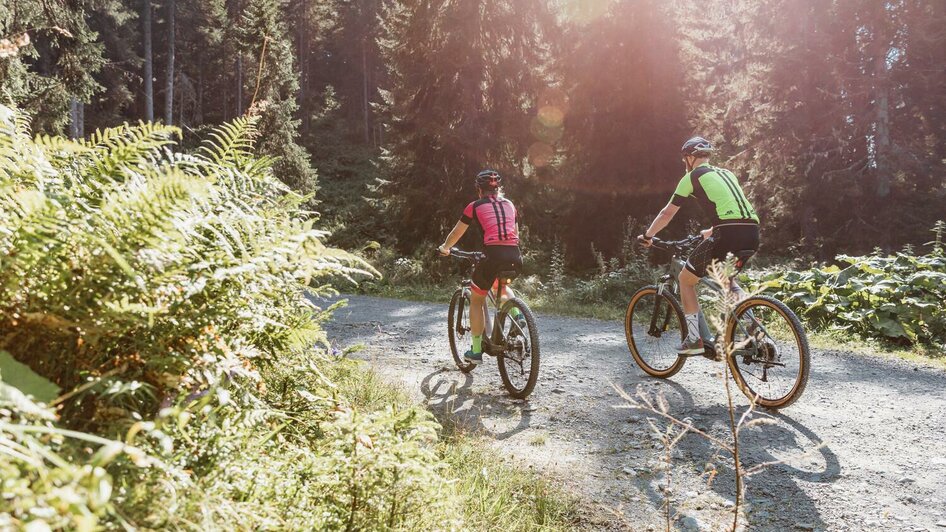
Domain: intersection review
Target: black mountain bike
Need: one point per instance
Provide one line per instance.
(515, 344)
(768, 348)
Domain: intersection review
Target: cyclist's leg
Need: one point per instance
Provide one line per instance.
(482, 277)
(689, 277)
(477, 313)
(507, 258)
(734, 239)
(693, 271)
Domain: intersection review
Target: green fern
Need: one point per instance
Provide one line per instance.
(165, 292)
(232, 144)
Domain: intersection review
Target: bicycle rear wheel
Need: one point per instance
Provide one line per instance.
(458, 328)
(770, 358)
(519, 361)
(653, 326)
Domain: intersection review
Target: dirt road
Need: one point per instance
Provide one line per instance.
(880, 425)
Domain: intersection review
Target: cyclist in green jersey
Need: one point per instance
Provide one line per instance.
(735, 227)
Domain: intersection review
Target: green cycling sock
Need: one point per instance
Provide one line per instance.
(477, 343)
(515, 312)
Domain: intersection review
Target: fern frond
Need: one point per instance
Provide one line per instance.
(113, 150)
(231, 143)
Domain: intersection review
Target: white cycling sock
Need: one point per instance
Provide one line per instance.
(693, 327)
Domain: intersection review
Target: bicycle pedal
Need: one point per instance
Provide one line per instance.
(712, 355)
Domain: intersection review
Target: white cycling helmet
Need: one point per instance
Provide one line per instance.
(697, 146)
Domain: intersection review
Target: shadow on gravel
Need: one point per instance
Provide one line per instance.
(775, 501)
(448, 394)
(882, 373)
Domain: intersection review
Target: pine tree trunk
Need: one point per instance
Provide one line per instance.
(199, 104)
(304, 100)
(808, 227)
(180, 108)
(239, 69)
(169, 88)
(881, 101)
(73, 118)
(882, 124)
(364, 69)
(80, 128)
(148, 75)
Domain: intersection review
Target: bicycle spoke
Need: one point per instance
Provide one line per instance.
(517, 353)
(767, 353)
(655, 331)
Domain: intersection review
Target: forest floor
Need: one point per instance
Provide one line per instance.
(863, 449)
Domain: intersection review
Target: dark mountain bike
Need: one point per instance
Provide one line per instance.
(515, 345)
(769, 356)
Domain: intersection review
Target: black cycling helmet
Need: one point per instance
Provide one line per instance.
(488, 179)
(697, 146)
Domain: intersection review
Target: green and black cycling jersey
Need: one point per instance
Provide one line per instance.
(718, 193)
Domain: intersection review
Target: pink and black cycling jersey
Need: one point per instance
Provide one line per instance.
(496, 217)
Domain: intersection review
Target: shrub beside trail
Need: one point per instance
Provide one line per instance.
(897, 298)
(164, 293)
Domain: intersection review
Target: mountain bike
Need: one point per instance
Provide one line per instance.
(514, 343)
(764, 342)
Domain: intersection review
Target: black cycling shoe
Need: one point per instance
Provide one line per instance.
(473, 358)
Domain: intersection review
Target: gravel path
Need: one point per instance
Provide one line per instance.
(880, 425)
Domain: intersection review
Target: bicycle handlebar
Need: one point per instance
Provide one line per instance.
(678, 246)
(473, 256)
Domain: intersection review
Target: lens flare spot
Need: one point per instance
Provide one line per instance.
(544, 133)
(551, 116)
(585, 11)
(554, 97)
(540, 154)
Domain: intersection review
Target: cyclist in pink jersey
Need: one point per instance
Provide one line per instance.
(497, 218)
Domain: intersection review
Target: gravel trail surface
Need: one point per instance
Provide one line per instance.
(863, 449)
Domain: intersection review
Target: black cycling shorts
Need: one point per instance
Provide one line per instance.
(726, 239)
(498, 259)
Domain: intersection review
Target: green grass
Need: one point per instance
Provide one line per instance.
(493, 495)
(500, 496)
(836, 340)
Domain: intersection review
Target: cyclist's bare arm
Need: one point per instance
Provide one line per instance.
(660, 222)
(455, 235)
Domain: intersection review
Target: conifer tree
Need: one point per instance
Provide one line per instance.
(273, 86)
(463, 80)
(624, 121)
(52, 59)
(806, 98)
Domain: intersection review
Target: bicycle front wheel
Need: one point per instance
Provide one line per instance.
(519, 361)
(458, 328)
(769, 355)
(654, 325)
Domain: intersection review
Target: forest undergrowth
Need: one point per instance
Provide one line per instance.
(179, 378)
